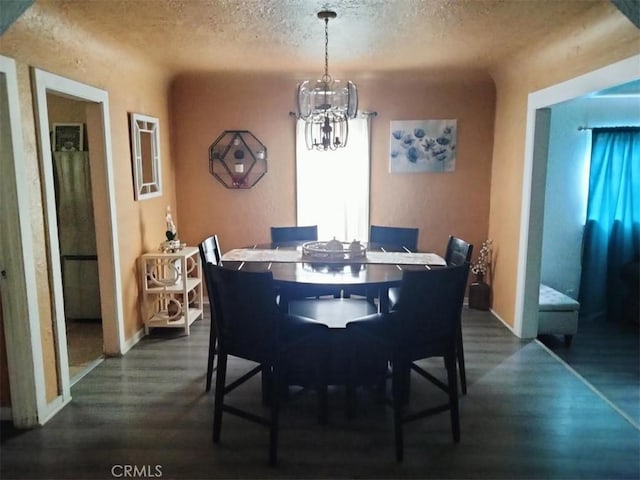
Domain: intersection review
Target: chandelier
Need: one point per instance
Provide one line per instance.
(326, 105)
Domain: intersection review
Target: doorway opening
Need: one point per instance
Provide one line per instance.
(552, 223)
(71, 157)
(605, 352)
(94, 103)
(533, 187)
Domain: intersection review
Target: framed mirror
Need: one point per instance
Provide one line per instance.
(145, 150)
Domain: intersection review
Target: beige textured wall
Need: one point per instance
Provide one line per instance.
(53, 44)
(65, 110)
(601, 38)
(202, 106)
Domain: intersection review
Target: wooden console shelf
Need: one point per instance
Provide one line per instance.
(171, 289)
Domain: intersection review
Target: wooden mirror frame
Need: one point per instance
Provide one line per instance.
(145, 151)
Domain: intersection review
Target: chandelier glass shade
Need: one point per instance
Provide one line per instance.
(326, 105)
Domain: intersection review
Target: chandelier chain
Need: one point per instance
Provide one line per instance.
(326, 49)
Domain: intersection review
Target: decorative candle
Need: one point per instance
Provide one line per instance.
(171, 227)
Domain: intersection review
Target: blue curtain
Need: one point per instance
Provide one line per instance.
(612, 232)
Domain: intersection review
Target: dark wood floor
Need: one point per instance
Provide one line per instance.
(607, 355)
(526, 417)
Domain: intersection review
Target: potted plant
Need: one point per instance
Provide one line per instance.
(479, 290)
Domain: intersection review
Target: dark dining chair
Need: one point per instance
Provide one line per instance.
(307, 233)
(210, 253)
(402, 238)
(250, 326)
(459, 252)
(424, 326)
(294, 234)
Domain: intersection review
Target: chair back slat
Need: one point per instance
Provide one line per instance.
(402, 236)
(246, 312)
(210, 250)
(209, 253)
(294, 234)
(458, 251)
(429, 307)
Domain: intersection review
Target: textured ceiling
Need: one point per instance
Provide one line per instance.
(286, 35)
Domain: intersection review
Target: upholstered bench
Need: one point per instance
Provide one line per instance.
(558, 314)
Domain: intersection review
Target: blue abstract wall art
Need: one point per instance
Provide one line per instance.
(417, 146)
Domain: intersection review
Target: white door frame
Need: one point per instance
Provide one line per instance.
(110, 282)
(532, 212)
(19, 297)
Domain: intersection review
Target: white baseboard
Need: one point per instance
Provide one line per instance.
(90, 366)
(131, 342)
(493, 312)
(52, 408)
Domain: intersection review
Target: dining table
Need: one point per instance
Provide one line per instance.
(377, 270)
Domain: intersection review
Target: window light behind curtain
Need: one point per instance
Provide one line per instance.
(333, 187)
(612, 232)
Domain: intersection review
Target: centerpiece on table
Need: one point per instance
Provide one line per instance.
(479, 290)
(334, 250)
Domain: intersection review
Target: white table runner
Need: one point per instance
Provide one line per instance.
(293, 256)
